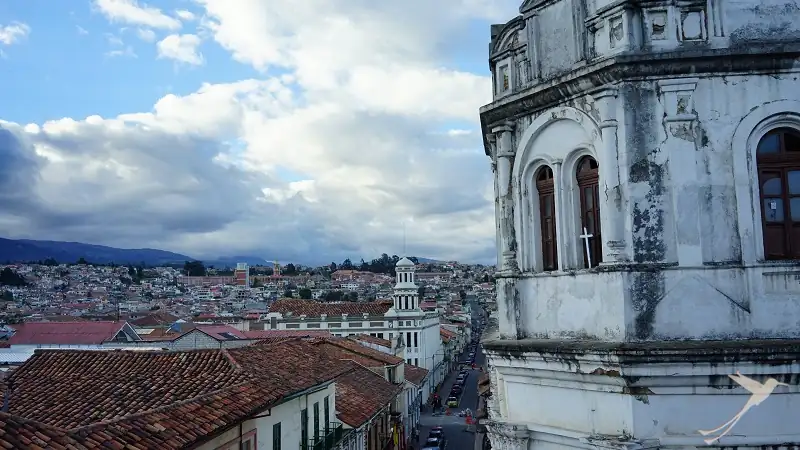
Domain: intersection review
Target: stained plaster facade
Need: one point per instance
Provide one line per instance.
(671, 99)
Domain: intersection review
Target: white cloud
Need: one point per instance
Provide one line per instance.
(13, 32)
(182, 48)
(367, 124)
(131, 12)
(146, 34)
(82, 31)
(126, 51)
(185, 15)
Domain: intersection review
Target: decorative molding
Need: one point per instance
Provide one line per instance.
(506, 436)
(678, 99)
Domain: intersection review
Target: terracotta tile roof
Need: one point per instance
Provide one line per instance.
(415, 374)
(371, 339)
(360, 394)
(67, 333)
(311, 308)
(159, 400)
(272, 334)
(19, 433)
(221, 332)
(344, 348)
(93, 386)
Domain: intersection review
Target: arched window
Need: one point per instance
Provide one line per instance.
(778, 160)
(588, 183)
(547, 217)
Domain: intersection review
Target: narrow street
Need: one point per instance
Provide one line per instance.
(455, 428)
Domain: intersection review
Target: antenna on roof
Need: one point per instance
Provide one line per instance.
(404, 238)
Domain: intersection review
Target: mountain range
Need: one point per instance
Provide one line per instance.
(27, 250)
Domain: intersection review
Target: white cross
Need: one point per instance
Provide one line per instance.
(585, 236)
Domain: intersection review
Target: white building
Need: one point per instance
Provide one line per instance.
(417, 330)
(646, 157)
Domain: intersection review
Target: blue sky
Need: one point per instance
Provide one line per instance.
(297, 131)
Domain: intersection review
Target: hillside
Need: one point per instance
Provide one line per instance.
(25, 250)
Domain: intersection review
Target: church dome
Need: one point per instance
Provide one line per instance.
(405, 262)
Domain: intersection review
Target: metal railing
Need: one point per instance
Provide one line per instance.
(326, 439)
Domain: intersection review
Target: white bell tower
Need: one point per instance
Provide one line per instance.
(406, 296)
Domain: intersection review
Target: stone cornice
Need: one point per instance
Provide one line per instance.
(768, 58)
(767, 351)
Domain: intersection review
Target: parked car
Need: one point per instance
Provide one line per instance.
(456, 391)
(452, 402)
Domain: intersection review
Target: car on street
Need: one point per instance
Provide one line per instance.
(436, 433)
(456, 391)
(434, 444)
(452, 402)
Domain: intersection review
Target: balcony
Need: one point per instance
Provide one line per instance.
(327, 439)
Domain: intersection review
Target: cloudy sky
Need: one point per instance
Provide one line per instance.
(298, 130)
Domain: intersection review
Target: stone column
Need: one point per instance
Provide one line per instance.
(507, 295)
(679, 121)
(506, 436)
(505, 163)
(492, 140)
(612, 210)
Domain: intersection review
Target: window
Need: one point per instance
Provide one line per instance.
(416, 341)
(408, 340)
(327, 414)
(380, 335)
(316, 421)
(778, 161)
(416, 362)
(408, 361)
(504, 79)
(588, 179)
(276, 436)
(304, 429)
(547, 217)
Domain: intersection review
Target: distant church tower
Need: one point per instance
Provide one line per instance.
(406, 291)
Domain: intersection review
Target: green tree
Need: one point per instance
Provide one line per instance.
(287, 293)
(82, 261)
(463, 294)
(289, 270)
(421, 292)
(9, 277)
(8, 296)
(486, 278)
(352, 296)
(334, 296)
(194, 268)
(304, 293)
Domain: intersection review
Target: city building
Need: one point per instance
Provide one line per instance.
(242, 275)
(646, 159)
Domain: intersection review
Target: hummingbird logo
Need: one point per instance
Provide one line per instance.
(760, 392)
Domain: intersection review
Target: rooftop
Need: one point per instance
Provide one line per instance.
(311, 308)
(164, 400)
(360, 394)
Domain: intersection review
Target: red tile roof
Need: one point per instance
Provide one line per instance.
(272, 334)
(158, 400)
(123, 382)
(371, 339)
(360, 394)
(311, 308)
(65, 333)
(415, 374)
(346, 349)
(221, 332)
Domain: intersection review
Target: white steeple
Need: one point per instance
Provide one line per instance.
(405, 291)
